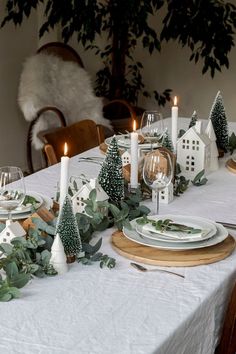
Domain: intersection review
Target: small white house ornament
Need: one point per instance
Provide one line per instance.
(79, 197)
(166, 195)
(126, 158)
(58, 257)
(193, 151)
(12, 229)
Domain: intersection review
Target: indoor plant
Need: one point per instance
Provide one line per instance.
(206, 27)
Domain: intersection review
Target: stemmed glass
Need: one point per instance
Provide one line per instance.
(12, 189)
(157, 171)
(152, 127)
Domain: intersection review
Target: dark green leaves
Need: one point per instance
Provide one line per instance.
(199, 179)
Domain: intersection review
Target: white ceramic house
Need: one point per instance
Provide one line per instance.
(166, 195)
(83, 194)
(126, 158)
(193, 151)
(12, 229)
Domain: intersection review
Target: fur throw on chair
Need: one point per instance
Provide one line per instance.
(47, 80)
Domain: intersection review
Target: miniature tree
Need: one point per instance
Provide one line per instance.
(166, 141)
(111, 175)
(193, 120)
(68, 230)
(219, 122)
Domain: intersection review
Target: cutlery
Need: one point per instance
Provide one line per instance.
(226, 224)
(144, 269)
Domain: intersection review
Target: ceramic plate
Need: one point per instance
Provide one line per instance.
(24, 208)
(208, 229)
(47, 202)
(123, 141)
(220, 236)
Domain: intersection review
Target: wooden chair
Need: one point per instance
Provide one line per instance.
(227, 343)
(67, 53)
(80, 136)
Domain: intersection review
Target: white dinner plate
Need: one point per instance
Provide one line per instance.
(24, 208)
(123, 141)
(47, 202)
(208, 229)
(220, 236)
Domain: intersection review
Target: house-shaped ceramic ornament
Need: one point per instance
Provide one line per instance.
(12, 229)
(193, 151)
(79, 197)
(166, 195)
(126, 158)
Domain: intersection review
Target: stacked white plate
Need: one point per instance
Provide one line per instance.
(24, 211)
(210, 233)
(124, 142)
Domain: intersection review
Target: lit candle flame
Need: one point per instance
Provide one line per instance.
(65, 149)
(134, 125)
(175, 101)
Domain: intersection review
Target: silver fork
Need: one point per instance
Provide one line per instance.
(144, 269)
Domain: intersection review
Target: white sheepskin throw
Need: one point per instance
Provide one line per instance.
(47, 80)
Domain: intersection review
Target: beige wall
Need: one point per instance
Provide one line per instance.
(15, 45)
(172, 69)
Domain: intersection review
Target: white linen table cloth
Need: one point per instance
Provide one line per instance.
(121, 311)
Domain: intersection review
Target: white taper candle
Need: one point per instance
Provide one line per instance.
(134, 158)
(64, 175)
(174, 122)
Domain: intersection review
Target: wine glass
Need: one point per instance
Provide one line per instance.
(152, 127)
(157, 171)
(12, 189)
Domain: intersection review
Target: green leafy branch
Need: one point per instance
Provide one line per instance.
(168, 225)
(199, 179)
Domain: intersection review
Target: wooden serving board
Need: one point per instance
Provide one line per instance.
(188, 258)
(231, 165)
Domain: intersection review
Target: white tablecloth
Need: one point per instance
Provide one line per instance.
(99, 311)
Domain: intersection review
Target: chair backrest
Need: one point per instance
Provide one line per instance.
(80, 136)
(227, 343)
(62, 50)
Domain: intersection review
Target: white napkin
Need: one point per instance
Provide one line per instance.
(177, 234)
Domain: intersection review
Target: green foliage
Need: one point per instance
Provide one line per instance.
(199, 179)
(111, 174)
(168, 225)
(22, 260)
(166, 141)
(125, 24)
(232, 143)
(219, 122)
(92, 255)
(181, 183)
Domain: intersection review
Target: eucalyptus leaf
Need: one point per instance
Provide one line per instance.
(11, 269)
(19, 280)
(6, 248)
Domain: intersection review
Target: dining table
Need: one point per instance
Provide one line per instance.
(90, 310)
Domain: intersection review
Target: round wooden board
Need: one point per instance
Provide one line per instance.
(231, 165)
(188, 258)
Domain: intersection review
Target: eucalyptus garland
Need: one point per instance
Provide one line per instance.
(25, 258)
